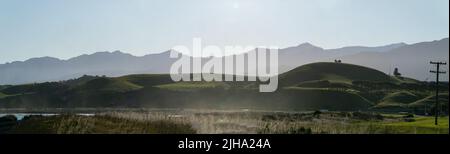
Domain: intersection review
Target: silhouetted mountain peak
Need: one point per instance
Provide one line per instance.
(164, 54)
(307, 47)
(412, 60)
(46, 58)
(400, 44)
(102, 54)
(397, 44)
(117, 52)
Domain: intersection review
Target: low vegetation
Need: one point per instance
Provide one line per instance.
(347, 99)
(76, 124)
(226, 122)
(2, 95)
(316, 86)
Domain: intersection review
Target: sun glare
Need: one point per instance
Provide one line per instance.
(236, 5)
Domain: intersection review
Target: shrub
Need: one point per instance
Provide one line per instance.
(409, 116)
(7, 122)
(367, 116)
(317, 113)
(301, 130)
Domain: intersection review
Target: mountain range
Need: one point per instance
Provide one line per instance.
(412, 60)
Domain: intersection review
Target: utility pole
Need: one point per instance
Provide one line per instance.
(437, 72)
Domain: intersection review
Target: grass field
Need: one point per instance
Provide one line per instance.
(232, 122)
(76, 124)
(422, 125)
(2, 95)
(245, 122)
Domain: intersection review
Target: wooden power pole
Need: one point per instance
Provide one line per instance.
(437, 72)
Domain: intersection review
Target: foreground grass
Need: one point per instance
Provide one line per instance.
(351, 124)
(223, 122)
(422, 125)
(2, 95)
(231, 122)
(73, 124)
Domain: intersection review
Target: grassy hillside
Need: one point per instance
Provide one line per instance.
(400, 98)
(192, 86)
(332, 86)
(431, 100)
(418, 103)
(147, 80)
(331, 99)
(333, 72)
(107, 84)
(2, 95)
(80, 81)
(3, 87)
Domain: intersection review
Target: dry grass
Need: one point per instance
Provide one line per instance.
(98, 124)
(233, 122)
(249, 122)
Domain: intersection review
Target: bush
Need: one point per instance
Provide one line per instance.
(367, 116)
(409, 120)
(317, 113)
(409, 116)
(6, 123)
(301, 130)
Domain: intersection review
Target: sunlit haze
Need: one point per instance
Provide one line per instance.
(65, 29)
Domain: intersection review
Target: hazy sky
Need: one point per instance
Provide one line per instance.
(67, 28)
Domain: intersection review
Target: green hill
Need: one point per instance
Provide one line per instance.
(45, 87)
(3, 87)
(431, 100)
(192, 86)
(107, 84)
(323, 84)
(333, 72)
(2, 95)
(80, 81)
(329, 86)
(147, 80)
(330, 99)
(398, 99)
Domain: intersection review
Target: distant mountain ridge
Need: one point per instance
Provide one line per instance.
(411, 59)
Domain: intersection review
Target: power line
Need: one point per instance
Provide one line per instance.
(437, 72)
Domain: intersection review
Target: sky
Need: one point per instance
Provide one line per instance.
(68, 28)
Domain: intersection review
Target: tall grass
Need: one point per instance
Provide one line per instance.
(231, 122)
(238, 122)
(99, 124)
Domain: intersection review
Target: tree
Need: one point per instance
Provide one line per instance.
(396, 73)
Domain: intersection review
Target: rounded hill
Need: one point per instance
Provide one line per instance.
(333, 72)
